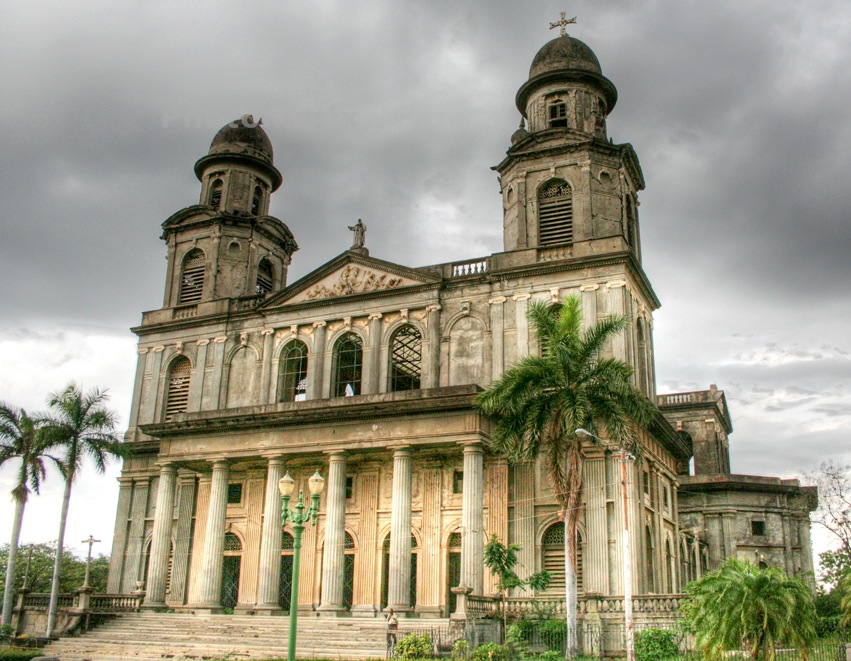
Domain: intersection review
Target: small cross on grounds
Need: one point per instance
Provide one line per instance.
(562, 22)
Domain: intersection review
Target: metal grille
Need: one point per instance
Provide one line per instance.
(385, 575)
(285, 586)
(230, 580)
(453, 576)
(293, 380)
(192, 281)
(235, 493)
(348, 580)
(265, 277)
(555, 214)
(287, 541)
(348, 364)
(348, 542)
(177, 398)
(406, 359)
(232, 542)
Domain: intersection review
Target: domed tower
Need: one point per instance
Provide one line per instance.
(563, 182)
(227, 246)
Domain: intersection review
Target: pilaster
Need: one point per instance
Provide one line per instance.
(432, 375)
(497, 336)
(196, 383)
(316, 366)
(182, 538)
(119, 537)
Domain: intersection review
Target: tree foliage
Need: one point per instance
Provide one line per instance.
(741, 606)
(41, 568)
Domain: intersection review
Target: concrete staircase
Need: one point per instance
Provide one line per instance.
(177, 636)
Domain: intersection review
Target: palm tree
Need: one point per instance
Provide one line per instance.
(739, 605)
(20, 439)
(540, 403)
(82, 425)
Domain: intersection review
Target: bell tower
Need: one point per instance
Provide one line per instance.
(563, 182)
(227, 246)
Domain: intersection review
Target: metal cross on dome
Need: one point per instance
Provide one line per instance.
(562, 22)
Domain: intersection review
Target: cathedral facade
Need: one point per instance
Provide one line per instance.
(367, 371)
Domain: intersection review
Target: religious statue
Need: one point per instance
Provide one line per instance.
(360, 234)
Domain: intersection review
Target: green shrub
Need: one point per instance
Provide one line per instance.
(414, 646)
(18, 654)
(655, 645)
(460, 650)
(526, 628)
(553, 633)
(515, 640)
(6, 630)
(492, 652)
(550, 655)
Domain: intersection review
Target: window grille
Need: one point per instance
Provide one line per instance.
(232, 542)
(293, 379)
(235, 493)
(216, 194)
(177, 398)
(287, 541)
(558, 114)
(192, 279)
(454, 540)
(265, 277)
(348, 542)
(457, 481)
(406, 359)
(348, 365)
(555, 214)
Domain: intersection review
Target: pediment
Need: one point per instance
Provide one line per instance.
(350, 275)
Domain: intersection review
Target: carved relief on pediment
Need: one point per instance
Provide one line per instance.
(353, 279)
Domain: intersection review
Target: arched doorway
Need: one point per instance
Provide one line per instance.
(231, 566)
(453, 569)
(285, 584)
(552, 548)
(348, 571)
(385, 574)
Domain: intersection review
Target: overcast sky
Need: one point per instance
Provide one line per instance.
(393, 111)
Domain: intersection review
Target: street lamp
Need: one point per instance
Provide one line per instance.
(627, 556)
(298, 518)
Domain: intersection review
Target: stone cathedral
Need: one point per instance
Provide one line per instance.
(367, 370)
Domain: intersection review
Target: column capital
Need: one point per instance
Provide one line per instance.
(142, 352)
(615, 284)
(523, 296)
(219, 463)
(498, 300)
(375, 315)
(277, 457)
(335, 454)
(433, 308)
(589, 287)
(267, 331)
(319, 324)
(158, 349)
(166, 466)
(220, 339)
(203, 343)
(471, 447)
(401, 449)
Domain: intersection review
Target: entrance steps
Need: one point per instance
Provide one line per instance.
(149, 636)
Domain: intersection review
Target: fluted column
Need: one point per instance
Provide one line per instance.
(521, 323)
(148, 407)
(589, 304)
(196, 383)
(161, 539)
(333, 560)
(472, 518)
(497, 336)
(214, 540)
(182, 538)
(615, 293)
(399, 584)
(596, 562)
(119, 537)
(316, 367)
(524, 519)
(372, 372)
(270, 542)
(266, 395)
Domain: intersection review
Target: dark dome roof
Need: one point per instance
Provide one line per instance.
(564, 53)
(243, 136)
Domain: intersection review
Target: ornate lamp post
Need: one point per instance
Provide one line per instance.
(623, 458)
(298, 518)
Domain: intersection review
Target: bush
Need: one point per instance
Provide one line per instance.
(492, 652)
(655, 645)
(18, 654)
(460, 650)
(414, 646)
(516, 641)
(550, 655)
(553, 633)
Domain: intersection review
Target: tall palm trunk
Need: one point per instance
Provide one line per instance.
(11, 564)
(57, 565)
(571, 596)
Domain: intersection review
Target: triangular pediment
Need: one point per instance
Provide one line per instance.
(350, 274)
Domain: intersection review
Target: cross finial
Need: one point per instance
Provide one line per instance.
(562, 22)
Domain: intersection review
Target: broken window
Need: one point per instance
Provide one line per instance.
(256, 201)
(293, 377)
(558, 114)
(265, 277)
(348, 366)
(405, 359)
(177, 397)
(216, 194)
(192, 278)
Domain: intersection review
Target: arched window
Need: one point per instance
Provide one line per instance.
(216, 194)
(558, 113)
(453, 569)
(285, 583)
(177, 393)
(265, 277)
(348, 366)
(649, 566)
(292, 380)
(192, 278)
(405, 359)
(256, 201)
(553, 560)
(555, 213)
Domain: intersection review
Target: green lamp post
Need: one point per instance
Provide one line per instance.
(298, 518)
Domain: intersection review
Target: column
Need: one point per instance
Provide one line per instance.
(521, 321)
(335, 524)
(524, 518)
(472, 518)
(316, 367)
(497, 336)
(199, 534)
(589, 304)
(497, 499)
(214, 540)
(372, 374)
(216, 377)
(367, 560)
(266, 369)
(596, 561)
(161, 538)
(615, 306)
(119, 537)
(728, 527)
(270, 542)
(399, 585)
(196, 383)
(432, 376)
(182, 538)
(429, 562)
